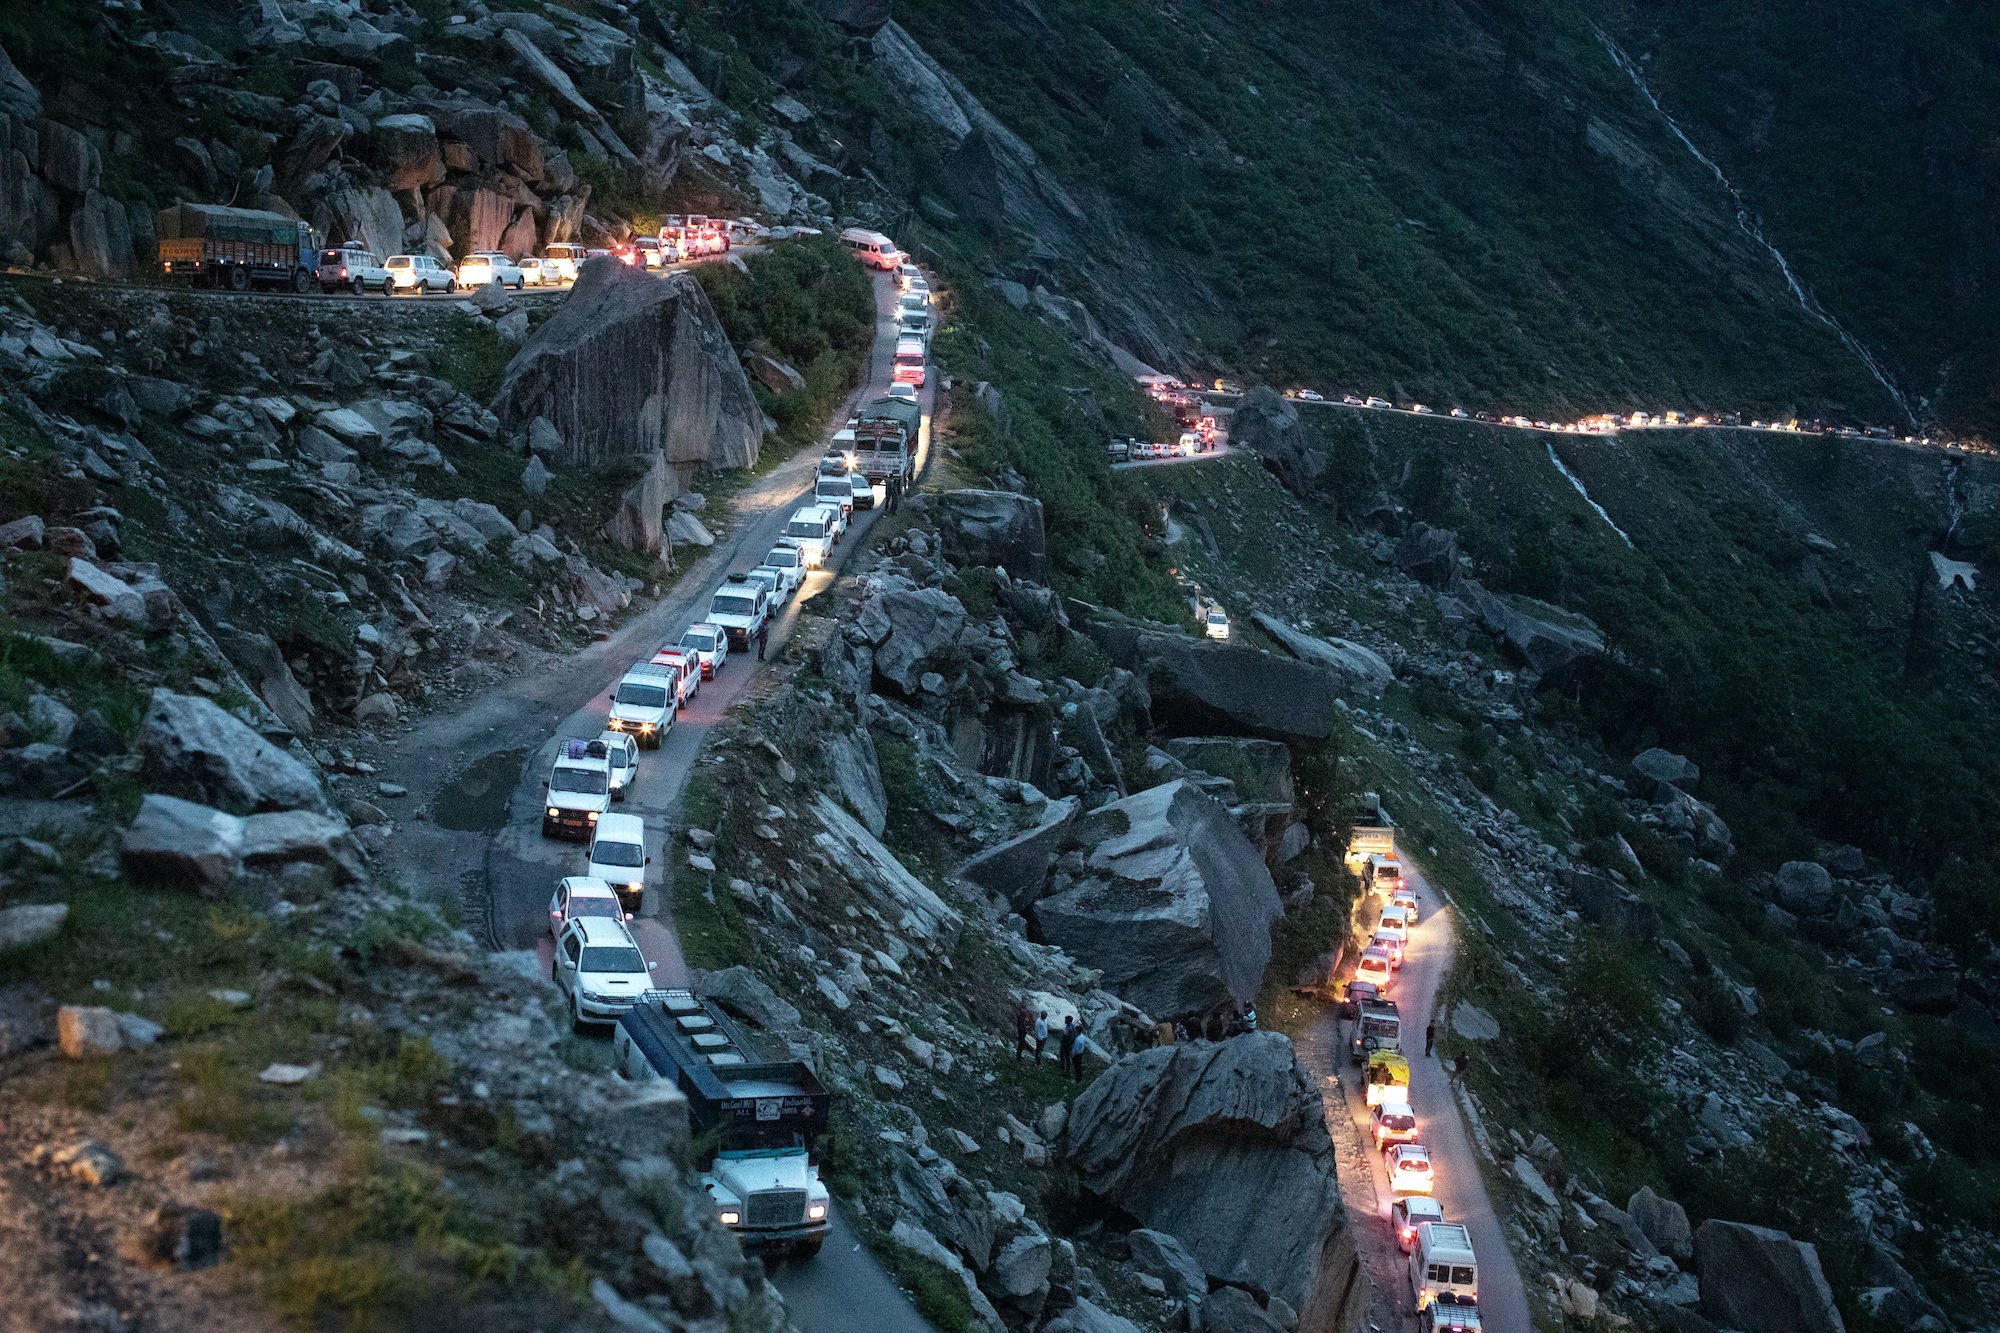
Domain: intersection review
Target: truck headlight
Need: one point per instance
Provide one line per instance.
(592, 816)
(554, 813)
(816, 1213)
(646, 728)
(634, 886)
(617, 724)
(730, 1218)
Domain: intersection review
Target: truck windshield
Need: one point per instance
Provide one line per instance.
(733, 606)
(612, 958)
(643, 696)
(587, 781)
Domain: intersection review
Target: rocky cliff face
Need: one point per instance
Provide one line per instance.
(632, 364)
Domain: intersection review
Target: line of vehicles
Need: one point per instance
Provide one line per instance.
(761, 1125)
(240, 248)
(1443, 1270)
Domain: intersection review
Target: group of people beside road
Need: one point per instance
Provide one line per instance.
(1034, 1028)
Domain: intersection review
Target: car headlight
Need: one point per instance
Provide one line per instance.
(553, 812)
(647, 728)
(816, 1213)
(634, 886)
(592, 816)
(617, 724)
(730, 1217)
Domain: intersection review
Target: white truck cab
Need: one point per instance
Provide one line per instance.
(618, 857)
(644, 703)
(579, 789)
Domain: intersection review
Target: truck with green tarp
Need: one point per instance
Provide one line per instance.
(209, 245)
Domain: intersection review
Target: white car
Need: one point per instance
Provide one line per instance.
(599, 970)
(1375, 967)
(740, 608)
(1409, 1213)
(810, 531)
(564, 258)
(538, 272)
(1308, 396)
(906, 392)
(352, 269)
(580, 896)
(686, 672)
(618, 857)
(864, 490)
(419, 273)
(578, 791)
(1373, 401)
(788, 562)
(709, 645)
(623, 753)
(832, 493)
(771, 581)
(1420, 409)
(1216, 623)
(907, 274)
(1410, 1169)
(484, 266)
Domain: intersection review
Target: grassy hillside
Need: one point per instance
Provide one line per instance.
(1862, 131)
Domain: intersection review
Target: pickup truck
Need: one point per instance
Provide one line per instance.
(761, 1124)
(644, 703)
(579, 789)
(740, 608)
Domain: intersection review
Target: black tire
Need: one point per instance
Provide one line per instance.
(520, 284)
(360, 287)
(302, 281)
(388, 286)
(239, 279)
(577, 1024)
(451, 286)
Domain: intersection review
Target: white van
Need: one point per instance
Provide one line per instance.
(618, 857)
(872, 248)
(1441, 1261)
(811, 531)
(909, 361)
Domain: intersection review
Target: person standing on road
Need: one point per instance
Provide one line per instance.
(763, 633)
(1430, 1035)
(1041, 1033)
(1021, 1026)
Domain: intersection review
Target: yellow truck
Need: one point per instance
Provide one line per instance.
(1387, 1078)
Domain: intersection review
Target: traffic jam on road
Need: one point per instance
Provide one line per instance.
(1190, 405)
(1198, 434)
(764, 1119)
(237, 249)
(1443, 1271)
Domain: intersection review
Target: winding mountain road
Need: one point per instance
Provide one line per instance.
(476, 774)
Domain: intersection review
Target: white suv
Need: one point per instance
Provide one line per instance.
(419, 273)
(599, 970)
(484, 266)
(351, 268)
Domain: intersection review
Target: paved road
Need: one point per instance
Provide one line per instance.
(1221, 450)
(479, 771)
(1503, 1299)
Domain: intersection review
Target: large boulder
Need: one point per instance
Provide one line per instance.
(1018, 869)
(1663, 1222)
(1547, 638)
(406, 149)
(1203, 687)
(1223, 1146)
(1174, 904)
(18, 97)
(640, 521)
(370, 216)
(1429, 555)
(100, 237)
(863, 16)
(69, 161)
(193, 749)
(28, 212)
(198, 847)
(1361, 667)
(1804, 888)
(631, 363)
(994, 528)
(1762, 1281)
(910, 629)
(1657, 766)
(265, 669)
(1269, 426)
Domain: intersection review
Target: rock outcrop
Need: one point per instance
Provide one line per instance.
(1173, 903)
(1224, 1147)
(1201, 686)
(1362, 667)
(1546, 638)
(195, 750)
(633, 363)
(1762, 1281)
(994, 528)
(640, 521)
